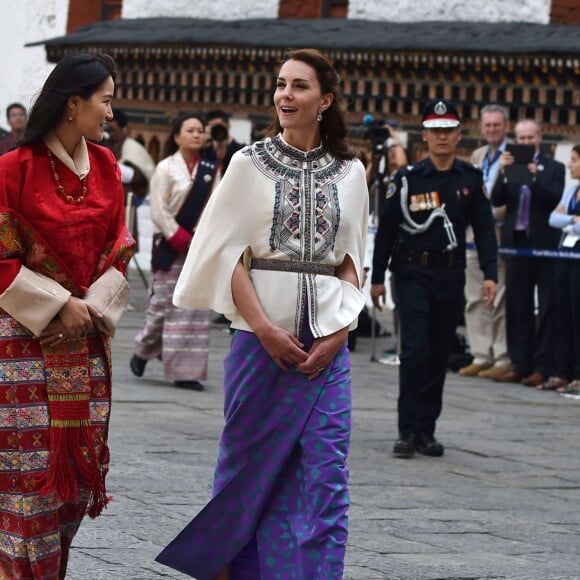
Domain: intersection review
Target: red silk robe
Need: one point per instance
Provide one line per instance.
(73, 244)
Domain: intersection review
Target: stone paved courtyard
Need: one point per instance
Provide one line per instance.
(504, 501)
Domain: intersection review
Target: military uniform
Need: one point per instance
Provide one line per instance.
(421, 236)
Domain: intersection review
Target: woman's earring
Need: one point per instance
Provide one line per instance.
(319, 116)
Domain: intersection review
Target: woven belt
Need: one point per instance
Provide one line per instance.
(441, 259)
(296, 266)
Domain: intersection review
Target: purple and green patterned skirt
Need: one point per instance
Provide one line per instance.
(280, 503)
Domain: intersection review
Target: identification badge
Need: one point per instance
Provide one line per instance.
(570, 240)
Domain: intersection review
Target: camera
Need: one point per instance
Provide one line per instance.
(379, 134)
(219, 132)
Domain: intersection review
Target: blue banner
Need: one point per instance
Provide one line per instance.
(534, 253)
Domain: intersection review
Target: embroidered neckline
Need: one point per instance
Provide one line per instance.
(315, 153)
(289, 156)
(68, 198)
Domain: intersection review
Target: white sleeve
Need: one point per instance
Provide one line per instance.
(127, 173)
(33, 299)
(108, 294)
(223, 233)
(159, 196)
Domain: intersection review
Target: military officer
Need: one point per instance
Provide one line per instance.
(421, 237)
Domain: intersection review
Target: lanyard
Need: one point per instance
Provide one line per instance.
(574, 201)
(489, 163)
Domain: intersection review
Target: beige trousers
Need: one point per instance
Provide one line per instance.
(486, 327)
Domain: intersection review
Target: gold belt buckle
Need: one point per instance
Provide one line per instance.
(424, 258)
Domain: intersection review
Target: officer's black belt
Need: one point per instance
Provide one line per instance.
(441, 259)
(296, 266)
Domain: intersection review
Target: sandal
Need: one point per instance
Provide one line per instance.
(573, 386)
(552, 384)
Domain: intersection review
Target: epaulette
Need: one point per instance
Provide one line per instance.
(407, 170)
(469, 166)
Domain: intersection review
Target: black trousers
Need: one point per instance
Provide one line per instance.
(566, 363)
(431, 302)
(530, 337)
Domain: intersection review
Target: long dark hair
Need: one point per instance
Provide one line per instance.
(333, 127)
(76, 74)
(171, 146)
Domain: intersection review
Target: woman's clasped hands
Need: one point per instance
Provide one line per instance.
(285, 349)
(74, 320)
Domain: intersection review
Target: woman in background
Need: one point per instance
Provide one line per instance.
(64, 250)
(179, 190)
(566, 217)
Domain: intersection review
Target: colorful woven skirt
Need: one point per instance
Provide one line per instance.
(36, 530)
(280, 501)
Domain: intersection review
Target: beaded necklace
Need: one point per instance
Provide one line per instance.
(67, 198)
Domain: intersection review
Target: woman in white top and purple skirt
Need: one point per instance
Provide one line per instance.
(279, 250)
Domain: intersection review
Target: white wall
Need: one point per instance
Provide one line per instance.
(218, 9)
(23, 70)
(454, 10)
(392, 10)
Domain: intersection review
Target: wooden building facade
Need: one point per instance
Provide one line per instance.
(388, 70)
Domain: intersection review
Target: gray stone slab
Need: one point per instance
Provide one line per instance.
(502, 502)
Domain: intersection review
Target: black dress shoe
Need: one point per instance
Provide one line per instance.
(428, 445)
(404, 446)
(190, 385)
(137, 365)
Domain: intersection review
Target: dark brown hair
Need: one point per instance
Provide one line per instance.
(333, 127)
(171, 146)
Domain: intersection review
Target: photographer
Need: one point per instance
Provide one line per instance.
(388, 155)
(218, 124)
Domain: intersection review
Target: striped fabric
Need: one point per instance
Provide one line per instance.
(179, 337)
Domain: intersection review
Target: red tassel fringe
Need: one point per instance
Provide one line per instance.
(99, 498)
(69, 466)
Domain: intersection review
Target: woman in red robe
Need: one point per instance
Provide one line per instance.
(63, 251)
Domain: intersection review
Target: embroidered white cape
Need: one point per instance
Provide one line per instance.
(276, 201)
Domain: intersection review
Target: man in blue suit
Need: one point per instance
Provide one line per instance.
(525, 226)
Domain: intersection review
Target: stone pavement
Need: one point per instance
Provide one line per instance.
(502, 503)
